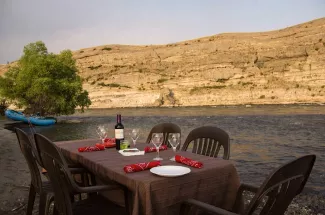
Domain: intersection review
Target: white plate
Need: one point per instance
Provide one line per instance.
(170, 171)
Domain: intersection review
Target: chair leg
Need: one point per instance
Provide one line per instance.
(55, 211)
(42, 203)
(126, 200)
(49, 200)
(31, 200)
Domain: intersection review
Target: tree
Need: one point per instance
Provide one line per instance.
(45, 82)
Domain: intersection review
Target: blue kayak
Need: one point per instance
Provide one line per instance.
(35, 120)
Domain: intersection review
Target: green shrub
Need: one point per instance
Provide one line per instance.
(222, 80)
(112, 85)
(161, 80)
(94, 67)
(106, 49)
(195, 89)
(246, 83)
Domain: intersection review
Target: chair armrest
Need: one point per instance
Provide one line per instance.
(208, 208)
(97, 188)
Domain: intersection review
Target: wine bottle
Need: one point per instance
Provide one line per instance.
(119, 132)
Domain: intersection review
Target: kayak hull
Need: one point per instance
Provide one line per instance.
(35, 120)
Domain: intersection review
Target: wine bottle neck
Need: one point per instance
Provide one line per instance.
(118, 118)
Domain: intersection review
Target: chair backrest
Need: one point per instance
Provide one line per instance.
(278, 190)
(29, 152)
(208, 140)
(58, 172)
(164, 128)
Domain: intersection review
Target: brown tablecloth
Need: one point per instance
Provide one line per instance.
(216, 183)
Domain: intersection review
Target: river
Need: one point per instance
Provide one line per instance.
(262, 137)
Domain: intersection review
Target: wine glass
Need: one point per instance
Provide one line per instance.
(102, 132)
(174, 139)
(157, 139)
(135, 135)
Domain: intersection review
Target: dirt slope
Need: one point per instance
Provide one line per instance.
(276, 67)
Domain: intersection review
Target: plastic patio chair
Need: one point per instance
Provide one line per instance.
(37, 185)
(164, 128)
(64, 186)
(275, 194)
(208, 140)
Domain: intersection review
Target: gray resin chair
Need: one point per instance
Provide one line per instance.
(64, 186)
(164, 128)
(43, 188)
(208, 140)
(273, 197)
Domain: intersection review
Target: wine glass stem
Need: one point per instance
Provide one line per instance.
(174, 149)
(157, 148)
(134, 142)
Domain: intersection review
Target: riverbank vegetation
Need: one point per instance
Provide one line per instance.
(44, 82)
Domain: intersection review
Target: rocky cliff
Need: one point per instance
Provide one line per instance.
(278, 67)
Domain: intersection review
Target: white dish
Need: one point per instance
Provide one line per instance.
(130, 152)
(170, 170)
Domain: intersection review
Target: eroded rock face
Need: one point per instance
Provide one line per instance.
(276, 67)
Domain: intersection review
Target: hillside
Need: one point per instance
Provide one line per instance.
(277, 67)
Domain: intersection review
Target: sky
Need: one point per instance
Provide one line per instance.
(76, 24)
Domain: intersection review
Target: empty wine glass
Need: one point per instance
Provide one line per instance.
(157, 139)
(102, 132)
(135, 135)
(174, 139)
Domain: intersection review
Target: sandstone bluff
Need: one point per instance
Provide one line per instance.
(285, 66)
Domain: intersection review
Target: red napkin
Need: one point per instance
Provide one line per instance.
(188, 161)
(106, 144)
(140, 166)
(153, 149)
(109, 140)
(91, 148)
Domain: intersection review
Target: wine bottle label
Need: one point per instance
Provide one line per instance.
(119, 133)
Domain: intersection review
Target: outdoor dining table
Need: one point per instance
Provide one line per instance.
(215, 183)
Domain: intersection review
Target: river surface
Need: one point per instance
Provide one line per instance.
(262, 137)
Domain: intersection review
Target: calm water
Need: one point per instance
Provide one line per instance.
(262, 137)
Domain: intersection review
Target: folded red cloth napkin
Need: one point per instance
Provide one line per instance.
(188, 161)
(109, 140)
(106, 144)
(153, 149)
(140, 166)
(97, 147)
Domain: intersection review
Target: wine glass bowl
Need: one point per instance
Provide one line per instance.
(157, 140)
(174, 140)
(135, 135)
(102, 132)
